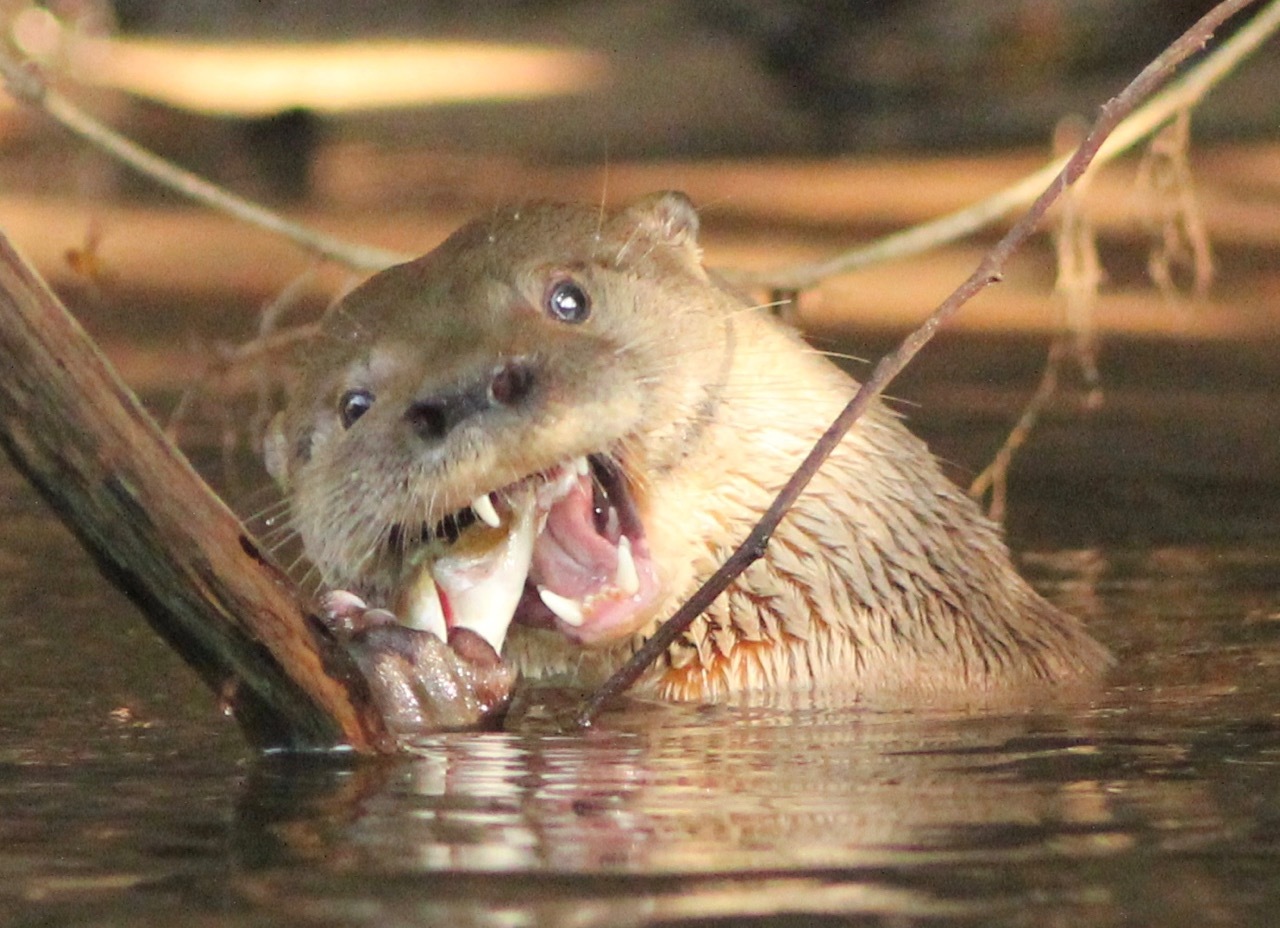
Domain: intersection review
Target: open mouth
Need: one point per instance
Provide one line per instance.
(563, 549)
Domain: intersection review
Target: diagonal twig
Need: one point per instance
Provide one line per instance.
(26, 84)
(987, 272)
(1180, 96)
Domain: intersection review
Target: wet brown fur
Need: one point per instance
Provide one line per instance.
(885, 579)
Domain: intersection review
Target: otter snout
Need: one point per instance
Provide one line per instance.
(434, 416)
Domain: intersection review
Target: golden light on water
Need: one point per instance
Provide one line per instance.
(251, 79)
(260, 79)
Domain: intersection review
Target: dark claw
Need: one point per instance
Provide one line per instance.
(419, 683)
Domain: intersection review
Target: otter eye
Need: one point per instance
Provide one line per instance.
(567, 302)
(353, 405)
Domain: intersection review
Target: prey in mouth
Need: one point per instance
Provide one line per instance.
(562, 549)
(475, 439)
(559, 419)
(515, 429)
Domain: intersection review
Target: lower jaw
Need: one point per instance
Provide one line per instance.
(442, 593)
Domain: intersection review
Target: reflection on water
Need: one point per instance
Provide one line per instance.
(1153, 803)
(125, 797)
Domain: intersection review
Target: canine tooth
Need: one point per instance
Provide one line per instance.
(625, 577)
(581, 466)
(563, 479)
(483, 507)
(565, 609)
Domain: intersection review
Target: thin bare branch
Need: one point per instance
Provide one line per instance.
(1079, 280)
(994, 477)
(25, 83)
(1180, 238)
(987, 272)
(1180, 96)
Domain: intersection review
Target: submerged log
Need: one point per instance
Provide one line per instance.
(162, 536)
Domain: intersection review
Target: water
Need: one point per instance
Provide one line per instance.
(126, 798)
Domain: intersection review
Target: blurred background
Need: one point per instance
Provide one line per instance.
(264, 92)
(800, 128)
(1146, 500)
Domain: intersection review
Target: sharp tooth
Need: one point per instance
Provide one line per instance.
(581, 466)
(568, 611)
(421, 608)
(625, 578)
(483, 507)
(563, 479)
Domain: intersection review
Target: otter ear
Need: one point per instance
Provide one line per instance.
(669, 217)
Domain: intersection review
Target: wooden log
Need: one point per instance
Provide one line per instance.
(163, 537)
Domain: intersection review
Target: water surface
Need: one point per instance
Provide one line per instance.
(127, 798)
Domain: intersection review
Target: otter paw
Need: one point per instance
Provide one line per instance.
(419, 683)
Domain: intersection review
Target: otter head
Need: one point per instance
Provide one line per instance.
(475, 432)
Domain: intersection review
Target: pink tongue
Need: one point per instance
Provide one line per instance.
(571, 558)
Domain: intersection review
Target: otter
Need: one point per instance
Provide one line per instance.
(550, 429)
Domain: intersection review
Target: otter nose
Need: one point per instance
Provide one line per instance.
(435, 416)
